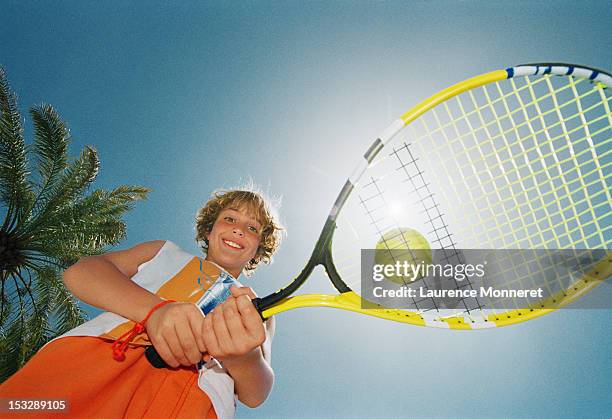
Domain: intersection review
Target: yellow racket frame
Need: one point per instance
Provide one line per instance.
(352, 302)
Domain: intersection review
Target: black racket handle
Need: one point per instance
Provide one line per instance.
(154, 358)
(157, 361)
(258, 303)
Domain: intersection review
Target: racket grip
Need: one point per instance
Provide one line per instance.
(154, 358)
(258, 303)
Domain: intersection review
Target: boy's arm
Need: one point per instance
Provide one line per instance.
(104, 281)
(253, 375)
(234, 333)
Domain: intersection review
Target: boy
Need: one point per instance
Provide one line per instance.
(237, 231)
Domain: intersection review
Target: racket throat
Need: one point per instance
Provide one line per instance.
(321, 255)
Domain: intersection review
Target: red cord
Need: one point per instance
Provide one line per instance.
(120, 345)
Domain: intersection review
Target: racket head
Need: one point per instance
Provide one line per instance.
(502, 147)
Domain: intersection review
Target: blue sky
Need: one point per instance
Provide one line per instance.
(188, 97)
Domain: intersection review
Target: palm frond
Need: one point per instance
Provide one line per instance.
(57, 312)
(67, 311)
(51, 139)
(6, 304)
(15, 191)
(84, 239)
(75, 180)
(18, 293)
(37, 323)
(11, 343)
(92, 223)
(10, 119)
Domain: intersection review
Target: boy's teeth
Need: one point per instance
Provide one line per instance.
(236, 245)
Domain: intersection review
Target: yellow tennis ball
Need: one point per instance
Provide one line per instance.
(406, 246)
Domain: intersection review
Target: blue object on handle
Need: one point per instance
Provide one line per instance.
(217, 293)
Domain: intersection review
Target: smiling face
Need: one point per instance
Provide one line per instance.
(250, 205)
(234, 240)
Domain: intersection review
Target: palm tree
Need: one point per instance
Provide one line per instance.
(50, 222)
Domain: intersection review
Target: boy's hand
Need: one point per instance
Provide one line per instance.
(174, 330)
(234, 328)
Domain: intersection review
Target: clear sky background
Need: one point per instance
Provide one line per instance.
(187, 97)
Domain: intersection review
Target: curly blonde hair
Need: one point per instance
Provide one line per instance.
(254, 204)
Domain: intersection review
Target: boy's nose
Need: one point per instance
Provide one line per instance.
(238, 231)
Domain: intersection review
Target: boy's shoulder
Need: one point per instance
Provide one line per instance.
(146, 248)
(128, 260)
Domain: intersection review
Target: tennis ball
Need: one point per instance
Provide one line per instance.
(403, 245)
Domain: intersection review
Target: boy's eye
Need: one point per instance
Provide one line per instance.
(229, 219)
(253, 229)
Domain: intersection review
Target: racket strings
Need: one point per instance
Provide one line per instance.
(508, 110)
(516, 168)
(556, 164)
(597, 167)
(478, 154)
(522, 164)
(439, 232)
(380, 202)
(524, 184)
(373, 203)
(537, 211)
(375, 207)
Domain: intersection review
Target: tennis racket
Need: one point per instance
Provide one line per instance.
(519, 158)
(512, 159)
